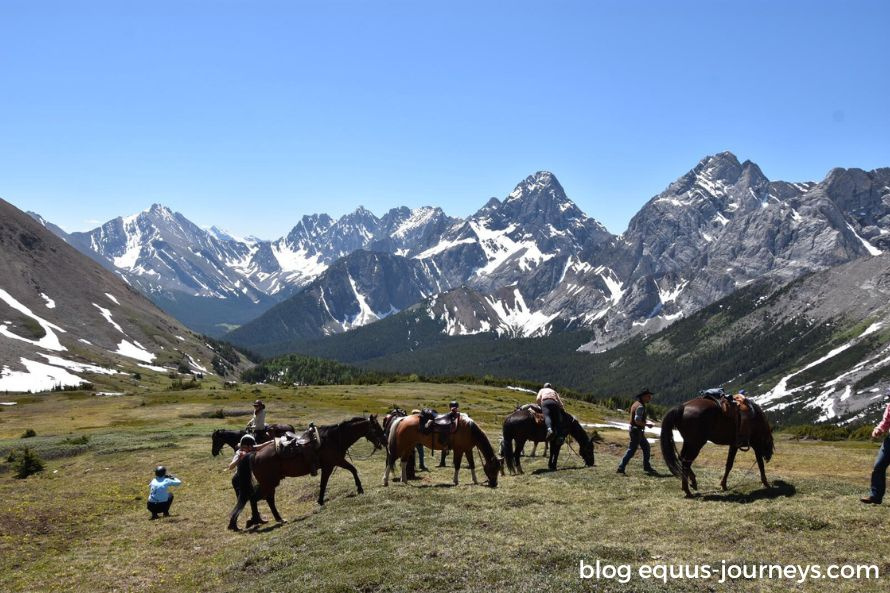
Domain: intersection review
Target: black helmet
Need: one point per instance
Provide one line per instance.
(247, 440)
(160, 471)
(548, 386)
(453, 404)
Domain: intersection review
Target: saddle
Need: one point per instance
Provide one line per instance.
(432, 421)
(534, 410)
(737, 408)
(296, 445)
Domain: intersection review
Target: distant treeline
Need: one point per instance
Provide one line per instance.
(295, 369)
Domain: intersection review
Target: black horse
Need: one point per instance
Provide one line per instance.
(521, 426)
(269, 467)
(231, 438)
(701, 420)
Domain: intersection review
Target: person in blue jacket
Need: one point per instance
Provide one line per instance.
(159, 497)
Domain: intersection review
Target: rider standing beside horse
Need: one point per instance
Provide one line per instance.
(638, 426)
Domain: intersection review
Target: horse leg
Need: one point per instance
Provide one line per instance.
(404, 464)
(687, 455)
(270, 498)
(326, 471)
(554, 456)
(358, 483)
(457, 458)
(471, 463)
(763, 479)
(534, 449)
(520, 446)
(389, 464)
(730, 459)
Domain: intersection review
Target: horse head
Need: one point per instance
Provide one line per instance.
(586, 452)
(375, 432)
(217, 442)
(492, 468)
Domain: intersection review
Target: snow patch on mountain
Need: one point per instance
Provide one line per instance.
(36, 378)
(107, 315)
(50, 341)
(134, 350)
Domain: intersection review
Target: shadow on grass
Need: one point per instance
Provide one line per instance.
(780, 489)
(442, 485)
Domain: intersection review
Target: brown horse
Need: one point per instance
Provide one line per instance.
(269, 467)
(405, 433)
(701, 420)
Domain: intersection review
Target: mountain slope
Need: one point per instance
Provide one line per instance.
(816, 349)
(65, 319)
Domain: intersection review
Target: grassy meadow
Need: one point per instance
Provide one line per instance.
(81, 524)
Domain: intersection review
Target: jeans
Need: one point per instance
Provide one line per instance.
(879, 473)
(419, 448)
(160, 507)
(552, 415)
(637, 439)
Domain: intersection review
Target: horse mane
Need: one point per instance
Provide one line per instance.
(323, 430)
(576, 429)
(482, 441)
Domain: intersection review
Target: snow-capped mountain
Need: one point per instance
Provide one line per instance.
(724, 225)
(508, 255)
(533, 261)
(65, 320)
(356, 290)
(214, 281)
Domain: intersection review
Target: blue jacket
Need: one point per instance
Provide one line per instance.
(157, 489)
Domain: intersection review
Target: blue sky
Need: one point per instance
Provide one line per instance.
(248, 115)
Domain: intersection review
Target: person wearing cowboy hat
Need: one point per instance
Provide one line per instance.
(638, 425)
(257, 424)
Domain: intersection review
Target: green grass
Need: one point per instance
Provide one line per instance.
(81, 524)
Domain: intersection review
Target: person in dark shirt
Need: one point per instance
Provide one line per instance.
(638, 425)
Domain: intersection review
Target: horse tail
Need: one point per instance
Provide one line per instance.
(391, 442)
(507, 447)
(765, 444)
(668, 447)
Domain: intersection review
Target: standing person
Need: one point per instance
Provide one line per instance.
(638, 424)
(879, 473)
(257, 424)
(246, 445)
(159, 499)
(552, 408)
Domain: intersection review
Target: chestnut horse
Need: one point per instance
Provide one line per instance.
(269, 467)
(222, 437)
(701, 420)
(520, 427)
(405, 434)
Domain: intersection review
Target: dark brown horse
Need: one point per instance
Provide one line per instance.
(405, 433)
(520, 427)
(269, 467)
(222, 437)
(701, 420)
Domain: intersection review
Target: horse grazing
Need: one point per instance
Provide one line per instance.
(231, 438)
(701, 420)
(521, 426)
(405, 433)
(269, 466)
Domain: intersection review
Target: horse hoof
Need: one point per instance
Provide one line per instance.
(234, 528)
(361, 491)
